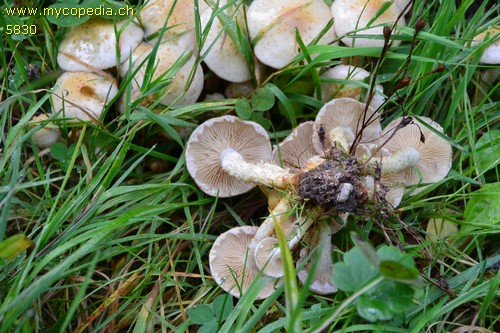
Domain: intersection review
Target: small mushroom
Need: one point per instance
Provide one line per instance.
(331, 90)
(415, 151)
(92, 45)
(46, 136)
(222, 55)
(351, 15)
(227, 156)
(82, 96)
(320, 242)
(166, 60)
(491, 54)
(272, 26)
(297, 148)
(231, 264)
(341, 119)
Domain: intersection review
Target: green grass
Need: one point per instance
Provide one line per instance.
(117, 246)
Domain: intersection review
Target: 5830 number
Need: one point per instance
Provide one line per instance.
(19, 29)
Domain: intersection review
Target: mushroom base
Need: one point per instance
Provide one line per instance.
(334, 185)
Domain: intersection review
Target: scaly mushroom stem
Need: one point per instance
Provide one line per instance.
(322, 281)
(266, 229)
(258, 173)
(341, 136)
(268, 255)
(405, 158)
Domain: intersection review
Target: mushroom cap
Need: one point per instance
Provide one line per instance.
(93, 45)
(180, 27)
(232, 265)
(239, 89)
(271, 265)
(435, 153)
(351, 15)
(210, 139)
(224, 58)
(271, 25)
(166, 57)
(322, 281)
(297, 148)
(46, 136)
(330, 90)
(346, 113)
(491, 54)
(82, 95)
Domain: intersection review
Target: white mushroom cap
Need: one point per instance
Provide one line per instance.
(351, 15)
(271, 26)
(491, 54)
(434, 155)
(46, 136)
(180, 20)
(93, 45)
(224, 58)
(216, 136)
(322, 281)
(166, 57)
(347, 115)
(330, 90)
(232, 265)
(297, 148)
(82, 95)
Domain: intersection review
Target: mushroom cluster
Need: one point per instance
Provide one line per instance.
(163, 37)
(312, 169)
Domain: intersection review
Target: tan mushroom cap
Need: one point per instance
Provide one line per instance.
(272, 27)
(93, 45)
(347, 114)
(331, 90)
(180, 20)
(166, 57)
(297, 148)
(223, 57)
(232, 265)
(435, 153)
(351, 15)
(46, 136)
(491, 54)
(81, 95)
(322, 281)
(211, 139)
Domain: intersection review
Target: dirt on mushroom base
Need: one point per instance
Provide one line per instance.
(335, 184)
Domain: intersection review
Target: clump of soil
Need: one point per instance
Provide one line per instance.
(334, 184)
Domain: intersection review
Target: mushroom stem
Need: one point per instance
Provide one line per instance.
(405, 158)
(266, 229)
(322, 281)
(268, 256)
(260, 173)
(341, 136)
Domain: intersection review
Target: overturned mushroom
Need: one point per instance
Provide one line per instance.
(340, 120)
(231, 264)
(417, 152)
(297, 148)
(228, 156)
